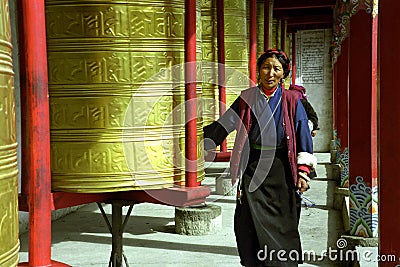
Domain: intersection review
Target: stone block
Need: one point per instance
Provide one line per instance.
(199, 220)
(224, 187)
(338, 197)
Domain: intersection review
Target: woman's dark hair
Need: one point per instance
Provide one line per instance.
(278, 54)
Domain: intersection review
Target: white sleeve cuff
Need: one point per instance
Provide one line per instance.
(310, 125)
(305, 158)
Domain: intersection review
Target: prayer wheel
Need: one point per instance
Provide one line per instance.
(209, 61)
(275, 29)
(236, 56)
(9, 242)
(117, 95)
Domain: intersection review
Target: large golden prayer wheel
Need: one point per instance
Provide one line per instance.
(236, 56)
(9, 242)
(209, 61)
(274, 29)
(116, 98)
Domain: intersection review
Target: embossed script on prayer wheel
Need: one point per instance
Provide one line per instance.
(114, 127)
(9, 242)
(236, 66)
(209, 54)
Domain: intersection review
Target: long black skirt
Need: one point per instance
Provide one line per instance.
(266, 219)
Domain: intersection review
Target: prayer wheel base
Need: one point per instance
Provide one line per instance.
(53, 264)
(198, 220)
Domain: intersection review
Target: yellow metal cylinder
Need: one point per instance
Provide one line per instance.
(209, 60)
(236, 56)
(9, 242)
(116, 100)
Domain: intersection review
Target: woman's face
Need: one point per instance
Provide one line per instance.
(271, 73)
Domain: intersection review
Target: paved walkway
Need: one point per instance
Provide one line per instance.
(82, 238)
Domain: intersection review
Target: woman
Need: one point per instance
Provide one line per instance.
(272, 156)
(311, 114)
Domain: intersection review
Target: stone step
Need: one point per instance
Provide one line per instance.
(216, 168)
(323, 157)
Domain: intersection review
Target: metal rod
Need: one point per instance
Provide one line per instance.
(125, 259)
(103, 213)
(127, 216)
(117, 234)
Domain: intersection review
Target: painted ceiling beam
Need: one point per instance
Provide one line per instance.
(296, 4)
(314, 19)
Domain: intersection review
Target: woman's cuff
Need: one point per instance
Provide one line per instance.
(305, 158)
(304, 168)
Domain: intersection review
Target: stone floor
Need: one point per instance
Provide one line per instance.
(82, 237)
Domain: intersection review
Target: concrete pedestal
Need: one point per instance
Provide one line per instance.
(202, 220)
(223, 186)
(363, 250)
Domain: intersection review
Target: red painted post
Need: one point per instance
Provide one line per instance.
(190, 94)
(267, 23)
(36, 129)
(25, 98)
(389, 130)
(283, 34)
(342, 85)
(38, 132)
(293, 58)
(221, 63)
(362, 124)
(253, 42)
(374, 103)
(334, 96)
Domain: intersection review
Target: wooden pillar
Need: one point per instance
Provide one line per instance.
(36, 130)
(190, 94)
(283, 34)
(221, 64)
(363, 124)
(341, 119)
(268, 15)
(293, 58)
(253, 43)
(389, 130)
(342, 86)
(283, 38)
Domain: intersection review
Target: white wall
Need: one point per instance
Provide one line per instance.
(314, 72)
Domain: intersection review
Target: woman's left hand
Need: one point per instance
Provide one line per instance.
(302, 184)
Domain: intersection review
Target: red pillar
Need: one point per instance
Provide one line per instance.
(36, 147)
(283, 38)
(283, 34)
(267, 23)
(253, 43)
(293, 58)
(190, 94)
(341, 98)
(340, 107)
(335, 97)
(363, 124)
(221, 63)
(389, 130)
